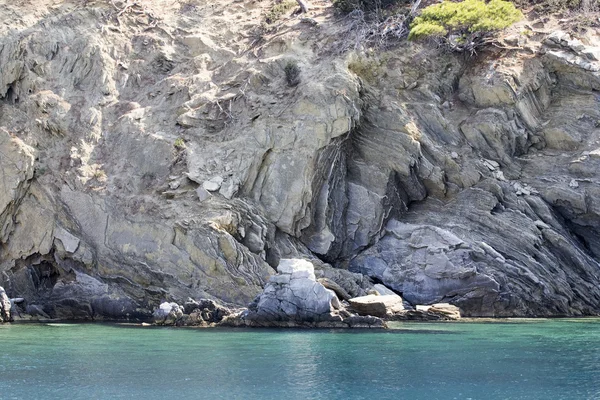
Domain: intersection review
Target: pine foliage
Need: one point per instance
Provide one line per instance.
(466, 23)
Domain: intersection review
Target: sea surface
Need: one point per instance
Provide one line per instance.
(540, 359)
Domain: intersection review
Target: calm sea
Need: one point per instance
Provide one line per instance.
(542, 359)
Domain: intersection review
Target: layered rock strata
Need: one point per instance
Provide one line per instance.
(159, 155)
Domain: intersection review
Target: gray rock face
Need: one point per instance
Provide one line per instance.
(471, 183)
(383, 290)
(16, 164)
(294, 295)
(426, 264)
(430, 265)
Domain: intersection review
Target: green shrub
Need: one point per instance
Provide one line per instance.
(179, 144)
(465, 25)
(292, 73)
(279, 9)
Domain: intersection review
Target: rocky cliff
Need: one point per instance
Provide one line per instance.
(155, 151)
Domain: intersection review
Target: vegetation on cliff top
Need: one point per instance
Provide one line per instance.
(462, 26)
(466, 25)
(466, 17)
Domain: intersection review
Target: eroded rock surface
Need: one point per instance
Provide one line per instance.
(294, 298)
(379, 306)
(434, 312)
(294, 295)
(160, 155)
(5, 306)
(168, 314)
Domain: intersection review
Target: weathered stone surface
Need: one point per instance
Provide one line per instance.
(199, 313)
(167, 314)
(383, 290)
(445, 309)
(425, 264)
(351, 284)
(379, 306)
(337, 289)
(5, 307)
(36, 311)
(205, 311)
(435, 312)
(464, 168)
(430, 265)
(16, 165)
(294, 296)
(350, 321)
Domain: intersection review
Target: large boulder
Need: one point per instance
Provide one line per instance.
(5, 306)
(443, 309)
(294, 295)
(168, 314)
(378, 306)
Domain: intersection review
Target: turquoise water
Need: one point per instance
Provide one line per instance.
(547, 359)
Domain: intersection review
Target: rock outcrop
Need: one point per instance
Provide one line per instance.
(160, 154)
(5, 307)
(203, 312)
(295, 296)
(434, 312)
(168, 314)
(379, 306)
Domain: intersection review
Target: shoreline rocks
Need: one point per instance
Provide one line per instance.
(294, 295)
(202, 312)
(167, 314)
(434, 312)
(5, 307)
(294, 298)
(379, 306)
(473, 183)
